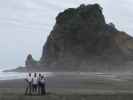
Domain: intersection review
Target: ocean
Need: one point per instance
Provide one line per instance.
(116, 76)
(18, 75)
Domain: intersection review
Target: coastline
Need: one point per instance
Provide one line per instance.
(66, 88)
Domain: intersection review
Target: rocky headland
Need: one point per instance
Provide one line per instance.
(81, 40)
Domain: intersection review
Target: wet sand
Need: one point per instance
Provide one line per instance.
(66, 87)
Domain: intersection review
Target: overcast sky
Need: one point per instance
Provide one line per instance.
(25, 24)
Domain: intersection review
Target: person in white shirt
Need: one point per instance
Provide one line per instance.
(28, 84)
(34, 83)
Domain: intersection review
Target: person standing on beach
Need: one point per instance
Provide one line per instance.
(34, 83)
(28, 84)
(39, 84)
(43, 85)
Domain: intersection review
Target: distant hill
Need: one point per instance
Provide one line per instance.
(82, 40)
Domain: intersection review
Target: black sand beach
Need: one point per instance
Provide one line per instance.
(70, 87)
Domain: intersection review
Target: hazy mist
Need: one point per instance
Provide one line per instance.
(25, 24)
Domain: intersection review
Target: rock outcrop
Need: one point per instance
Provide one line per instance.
(30, 62)
(82, 40)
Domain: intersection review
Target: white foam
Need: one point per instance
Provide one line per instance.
(17, 75)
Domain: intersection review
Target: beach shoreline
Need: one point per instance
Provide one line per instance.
(61, 87)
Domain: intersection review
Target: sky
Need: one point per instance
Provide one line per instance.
(25, 24)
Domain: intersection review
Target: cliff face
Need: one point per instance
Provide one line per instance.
(82, 40)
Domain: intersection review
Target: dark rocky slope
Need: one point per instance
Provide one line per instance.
(82, 40)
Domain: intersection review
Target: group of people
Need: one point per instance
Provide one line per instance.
(35, 84)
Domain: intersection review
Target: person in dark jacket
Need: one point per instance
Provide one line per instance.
(39, 84)
(43, 85)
